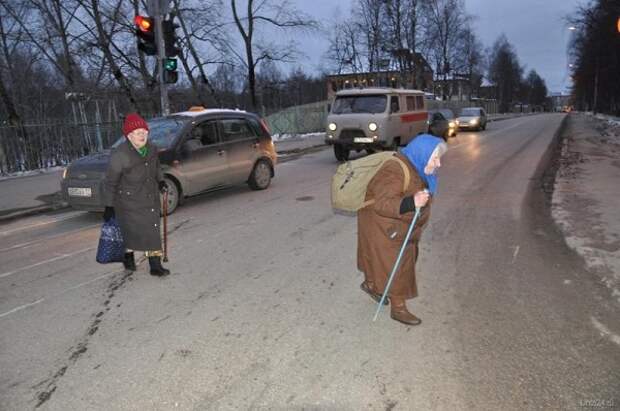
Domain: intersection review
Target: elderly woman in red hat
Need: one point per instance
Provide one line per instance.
(131, 194)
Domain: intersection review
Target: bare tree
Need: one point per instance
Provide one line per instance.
(505, 72)
(280, 15)
(201, 25)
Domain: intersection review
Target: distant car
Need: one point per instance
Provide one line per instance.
(442, 123)
(473, 118)
(200, 150)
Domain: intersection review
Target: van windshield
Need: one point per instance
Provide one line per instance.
(360, 104)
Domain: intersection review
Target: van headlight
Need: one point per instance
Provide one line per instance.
(372, 126)
(332, 126)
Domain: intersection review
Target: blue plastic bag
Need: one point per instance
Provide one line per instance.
(111, 247)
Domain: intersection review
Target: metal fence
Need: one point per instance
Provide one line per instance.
(36, 146)
(307, 118)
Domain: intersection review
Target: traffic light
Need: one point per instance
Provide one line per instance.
(170, 37)
(170, 70)
(146, 35)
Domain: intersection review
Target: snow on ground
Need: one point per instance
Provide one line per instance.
(287, 136)
(585, 196)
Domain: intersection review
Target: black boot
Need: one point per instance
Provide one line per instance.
(129, 262)
(156, 267)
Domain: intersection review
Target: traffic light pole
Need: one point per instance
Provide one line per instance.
(161, 55)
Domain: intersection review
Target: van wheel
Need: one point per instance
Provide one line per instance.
(341, 152)
(173, 196)
(260, 178)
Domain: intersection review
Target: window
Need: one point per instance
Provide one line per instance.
(394, 106)
(410, 103)
(208, 133)
(359, 104)
(236, 129)
(419, 102)
(438, 117)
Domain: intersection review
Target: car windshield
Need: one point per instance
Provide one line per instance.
(470, 112)
(447, 114)
(360, 104)
(162, 131)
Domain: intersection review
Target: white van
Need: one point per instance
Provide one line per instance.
(374, 119)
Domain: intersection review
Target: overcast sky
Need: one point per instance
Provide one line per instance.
(536, 28)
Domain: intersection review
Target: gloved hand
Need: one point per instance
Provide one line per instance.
(163, 187)
(108, 214)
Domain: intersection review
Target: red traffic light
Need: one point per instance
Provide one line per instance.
(144, 23)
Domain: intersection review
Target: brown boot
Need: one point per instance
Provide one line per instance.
(400, 313)
(369, 289)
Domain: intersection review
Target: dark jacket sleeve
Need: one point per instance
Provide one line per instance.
(112, 178)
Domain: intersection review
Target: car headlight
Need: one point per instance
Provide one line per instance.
(372, 126)
(473, 121)
(457, 122)
(65, 172)
(451, 124)
(332, 126)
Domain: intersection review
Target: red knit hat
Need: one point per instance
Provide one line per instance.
(133, 121)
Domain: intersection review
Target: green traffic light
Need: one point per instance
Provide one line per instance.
(170, 64)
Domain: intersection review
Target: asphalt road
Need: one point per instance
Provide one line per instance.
(263, 309)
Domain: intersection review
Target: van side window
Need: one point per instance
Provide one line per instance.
(419, 102)
(394, 106)
(410, 103)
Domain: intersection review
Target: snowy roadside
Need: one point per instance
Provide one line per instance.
(31, 173)
(586, 192)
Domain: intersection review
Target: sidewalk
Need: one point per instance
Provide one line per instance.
(585, 203)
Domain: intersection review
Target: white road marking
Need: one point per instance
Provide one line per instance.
(56, 220)
(29, 243)
(605, 331)
(60, 257)
(515, 254)
(40, 300)
(567, 282)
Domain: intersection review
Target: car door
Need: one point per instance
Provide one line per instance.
(240, 142)
(203, 161)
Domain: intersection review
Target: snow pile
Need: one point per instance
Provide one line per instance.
(287, 136)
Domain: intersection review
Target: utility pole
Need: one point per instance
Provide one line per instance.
(158, 9)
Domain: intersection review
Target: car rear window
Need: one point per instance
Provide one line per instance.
(360, 104)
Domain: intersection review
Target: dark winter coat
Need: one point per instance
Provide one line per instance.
(382, 230)
(131, 187)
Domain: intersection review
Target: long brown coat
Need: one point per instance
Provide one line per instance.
(131, 187)
(381, 230)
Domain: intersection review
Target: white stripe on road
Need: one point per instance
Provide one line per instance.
(515, 254)
(21, 307)
(60, 257)
(29, 243)
(56, 220)
(604, 331)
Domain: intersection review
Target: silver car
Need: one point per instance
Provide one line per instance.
(199, 150)
(473, 118)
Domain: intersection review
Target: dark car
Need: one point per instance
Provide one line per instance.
(441, 123)
(473, 118)
(200, 150)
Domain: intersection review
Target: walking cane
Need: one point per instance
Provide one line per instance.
(165, 226)
(400, 255)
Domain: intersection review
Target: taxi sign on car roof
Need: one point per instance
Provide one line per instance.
(196, 108)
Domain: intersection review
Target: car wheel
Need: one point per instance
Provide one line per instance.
(341, 152)
(173, 196)
(260, 178)
(485, 126)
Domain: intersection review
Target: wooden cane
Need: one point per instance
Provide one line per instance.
(166, 226)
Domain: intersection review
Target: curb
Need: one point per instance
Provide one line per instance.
(33, 210)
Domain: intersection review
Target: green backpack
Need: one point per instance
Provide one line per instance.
(351, 180)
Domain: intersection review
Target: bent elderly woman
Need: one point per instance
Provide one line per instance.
(131, 194)
(382, 226)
